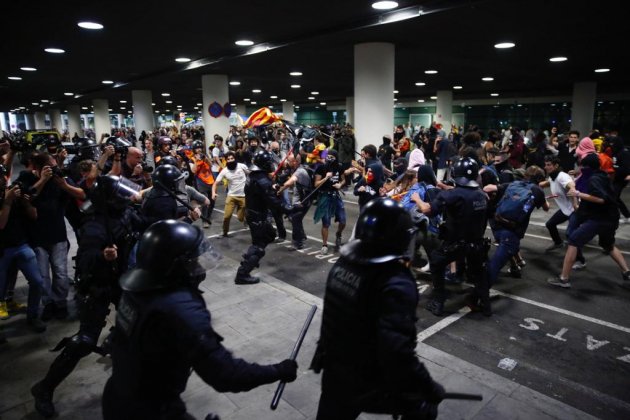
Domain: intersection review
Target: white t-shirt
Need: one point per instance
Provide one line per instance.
(236, 179)
(558, 187)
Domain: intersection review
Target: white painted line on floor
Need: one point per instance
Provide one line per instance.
(443, 323)
(229, 233)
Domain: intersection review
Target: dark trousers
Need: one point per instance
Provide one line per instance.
(297, 224)
(622, 206)
(552, 225)
(475, 257)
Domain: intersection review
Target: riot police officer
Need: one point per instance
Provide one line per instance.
(368, 335)
(159, 203)
(163, 330)
(105, 242)
(464, 211)
(260, 197)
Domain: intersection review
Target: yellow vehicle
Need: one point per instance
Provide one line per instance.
(37, 137)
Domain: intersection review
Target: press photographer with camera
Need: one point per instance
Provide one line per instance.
(131, 166)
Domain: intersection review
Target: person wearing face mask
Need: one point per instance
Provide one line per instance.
(329, 180)
(248, 155)
(236, 175)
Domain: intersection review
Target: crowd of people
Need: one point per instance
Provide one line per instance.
(449, 187)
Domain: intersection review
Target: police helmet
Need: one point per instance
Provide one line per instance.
(384, 232)
(168, 160)
(112, 192)
(165, 140)
(264, 161)
(465, 172)
(197, 144)
(87, 149)
(159, 264)
(52, 142)
(167, 176)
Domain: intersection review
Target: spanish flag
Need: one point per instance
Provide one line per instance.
(263, 116)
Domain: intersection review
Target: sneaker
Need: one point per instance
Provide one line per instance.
(246, 279)
(225, 235)
(36, 324)
(578, 265)
(515, 272)
(426, 269)
(49, 312)
(324, 250)
(626, 276)
(554, 246)
(521, 263)
(338, 240)
(436, 307)
(557, 281)
(43, 400)
(15, 307)
(206, 225)
(4, 312)
(298, 245)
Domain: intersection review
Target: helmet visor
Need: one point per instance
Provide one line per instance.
(204, 258)
(126, 189)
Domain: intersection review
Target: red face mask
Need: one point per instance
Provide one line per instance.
(369, 177)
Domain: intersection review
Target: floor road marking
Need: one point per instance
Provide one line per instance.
(443, 323)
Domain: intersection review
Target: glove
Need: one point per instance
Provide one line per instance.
(436, 393)
(287, 370)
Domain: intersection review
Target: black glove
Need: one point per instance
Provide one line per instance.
(436, 393)
(287, 370)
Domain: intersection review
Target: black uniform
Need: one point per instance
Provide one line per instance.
(160, 205)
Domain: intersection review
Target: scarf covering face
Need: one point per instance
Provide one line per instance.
(585, 147)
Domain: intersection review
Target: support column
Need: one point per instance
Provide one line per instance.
(350, 110)
(142, 111)
(242, 110)
(101, 118)
(583, 107)
(56, 123)
(74, 121)
(287, 111)
(13, 125)
(373, 92)
(214, 88)
(29, 121)
(40, 120)
(444, 109)
(3, 122)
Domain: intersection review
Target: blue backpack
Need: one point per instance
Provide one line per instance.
(516, 203)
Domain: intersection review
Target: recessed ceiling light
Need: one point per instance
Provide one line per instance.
(420, 100)
(68, 93)
(90, 25)
(123, 102)
(420, 84)
(487, 79)
(128, 112)
(22, 107)
(384, 5)
(123, 107)
(179, 106)
(182, 59)
(168, 102)
(494, 94)
(295, 86)
(157, 112)
(256, 90)
(235, 83)
(166, 94)
(232, 104)
(395, 99)
(54, 50)
(504, 45)
(44, 100)
(557, 59)
(283, 100)
(108, 82)
(34, 103)
(84, 107)
(602, 70)
(315, 93)
(295, 73)
(246, 99)
(430, 72)
(395, 91)
(167, 110)
(433, 97)
(14, 78)
(28, 69)
(152, 103)
(310, 98)
(457, 87)
(253, 102)
(244, 42)
(273, 97)
(322, 103)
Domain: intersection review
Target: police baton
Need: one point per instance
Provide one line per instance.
(314, 190)
(180, 201)
(294, 353)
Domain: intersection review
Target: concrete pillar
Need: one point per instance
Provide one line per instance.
(101, 118)
(350, 110)
(120, 120)
(86, 121)
(3, 122)
(287, 111)
(29, 121)
(56, 123)
(40, 120)
(583, 107)
(373, 92)
(13, 121)
(143, 117)
(214, 88)
(74, 120)
(444, 109)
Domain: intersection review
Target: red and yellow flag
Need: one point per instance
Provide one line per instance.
(263, 116)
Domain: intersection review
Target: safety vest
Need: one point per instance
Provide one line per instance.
(203, 171)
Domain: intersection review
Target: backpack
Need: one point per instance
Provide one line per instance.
(516, 203)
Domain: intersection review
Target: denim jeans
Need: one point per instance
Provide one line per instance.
(509, 244)
(54, 258)
(26, 262)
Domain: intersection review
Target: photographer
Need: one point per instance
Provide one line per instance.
(131, 167)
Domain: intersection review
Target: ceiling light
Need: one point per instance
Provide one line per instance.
(457, 87)
(494, 94)
(420, 100)
(295, 73)
(28, 68)
(244, 42)
(199, 104)
(182, 59)
(433, 97)
(487, 79)
(256, 90)
(246, 99)
(152, 103)
(110, 110)
(602, 70)
(420, 84)
(395, 99)
(557, 59)
(384, 5)
(283, 100)
(395, 91)
(295, 86)
(90, 25)
(166, 94)
(68, 93)
(123, 102)
(157, 112)
(168, 102)
(311, 98)
(504, 45)
(235, 83)
(123, 107)
(108, 82)
(84, 107)
(315, 93)
(14, 78)
(430, 72)
(22, 107)
(195, 107)
(253, 102)
(54, 50)
(179, 106)
(232, 104)
(44, 100)
(128, 112)
(322, 103)
(273, 97)
(167, 110)
(35, 103)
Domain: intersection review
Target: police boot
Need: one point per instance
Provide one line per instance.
(43, 399)
(246, 279)
(435, 306)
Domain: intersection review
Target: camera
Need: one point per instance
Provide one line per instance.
(146, 168)
(121, 146)
(56, 170)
